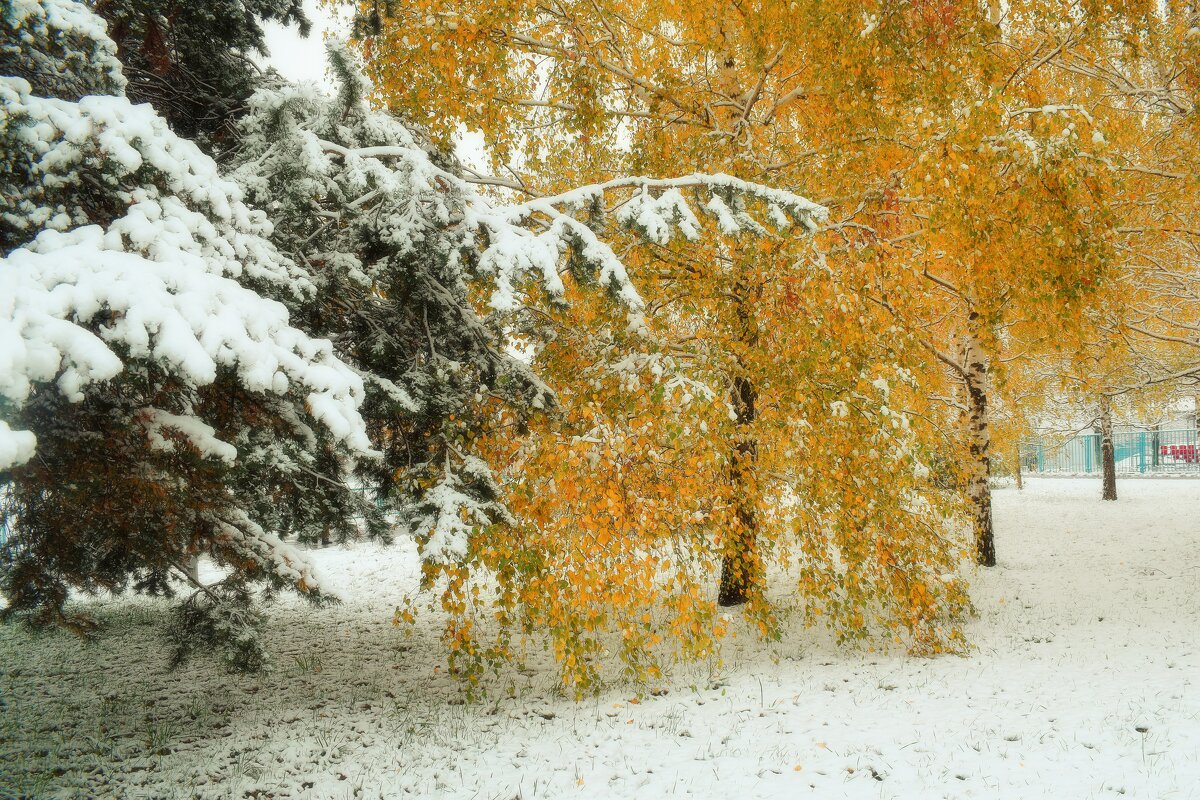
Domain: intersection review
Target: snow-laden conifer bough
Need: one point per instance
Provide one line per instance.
(203, 360)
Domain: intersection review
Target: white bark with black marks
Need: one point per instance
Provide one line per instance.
(1107, 452)
(975, 377)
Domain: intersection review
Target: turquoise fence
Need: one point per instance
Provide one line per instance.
(1136, 453)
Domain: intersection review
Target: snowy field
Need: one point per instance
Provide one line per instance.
(1085, 683)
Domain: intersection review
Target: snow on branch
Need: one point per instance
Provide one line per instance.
(159, 282)
(60, 45)
(529, 239)
(800, 207)
(197, 433)
(656, 208)
(450, 512)
(178, 203)
(246, 538)
(65, 306)
(16, 447)
(392, 169)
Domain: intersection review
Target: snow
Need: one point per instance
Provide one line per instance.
(529, 239)
(199, 435)
(1081, 685)
(517, 241)
(262, 547)
(649, 214)
(870, 23)
(16, 447)
(78, 37)
(189, 319)
(453, 516)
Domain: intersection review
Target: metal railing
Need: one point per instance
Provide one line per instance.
(1153, 452)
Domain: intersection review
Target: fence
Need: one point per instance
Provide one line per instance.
(1136, 453)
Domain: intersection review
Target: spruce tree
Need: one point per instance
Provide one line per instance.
(156, 400)
(390, 249)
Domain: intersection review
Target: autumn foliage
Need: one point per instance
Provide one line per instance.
(980, 165)
(734, 320)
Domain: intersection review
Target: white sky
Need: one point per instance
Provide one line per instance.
(303, 59)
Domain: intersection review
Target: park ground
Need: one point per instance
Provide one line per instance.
(1083, 682)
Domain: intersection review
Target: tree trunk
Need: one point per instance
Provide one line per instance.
(1020, 481)
(976, 379)
(741, 567)
(741, 571)
(1107, 453)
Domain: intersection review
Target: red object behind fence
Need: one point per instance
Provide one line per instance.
(1186, 452)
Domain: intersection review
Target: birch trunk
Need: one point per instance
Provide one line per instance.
(1107, 453)
(741, 567)
(741, 573)
(975, 376)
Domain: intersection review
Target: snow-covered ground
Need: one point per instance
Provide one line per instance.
(1083, 683)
